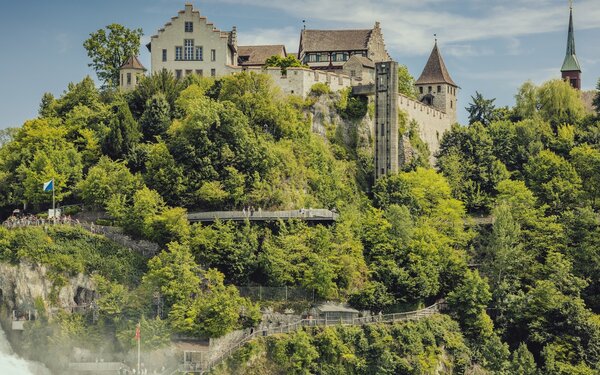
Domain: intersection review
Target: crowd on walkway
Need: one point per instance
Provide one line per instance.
(33, 220)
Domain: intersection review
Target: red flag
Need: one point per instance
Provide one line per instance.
(138, 334)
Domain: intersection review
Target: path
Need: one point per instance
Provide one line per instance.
(307, 214)
(204, 368)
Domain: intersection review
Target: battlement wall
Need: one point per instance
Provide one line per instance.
(298, 81)
(433, 123)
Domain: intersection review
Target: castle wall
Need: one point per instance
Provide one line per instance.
(298, 81)
(432, 122)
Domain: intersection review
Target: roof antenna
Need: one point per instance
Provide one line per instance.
(571, 4)
(304, 24)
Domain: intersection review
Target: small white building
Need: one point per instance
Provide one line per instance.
(131, 72)
(190, 44)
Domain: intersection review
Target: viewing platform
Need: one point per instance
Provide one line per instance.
(305, 214)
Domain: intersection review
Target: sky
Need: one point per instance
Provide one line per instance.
(490, 46)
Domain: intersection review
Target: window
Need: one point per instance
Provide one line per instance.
(213, 55)
(312, 57)
(213, 72)
(340, 56)
(164, 55)
(189, 27)
(429, 88)
(188, 52)
(353, 73)
(188, 72)
(129, 78)
(439, 88)
(178, 53)
(421, 89)
(199, 56)
(450, 103)
(199, 72)
(178, 73)
(324, 57)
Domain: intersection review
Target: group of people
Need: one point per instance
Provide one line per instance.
(249, 211)
(143, 371)
(32, 220)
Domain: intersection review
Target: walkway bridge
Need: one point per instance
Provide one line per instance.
(306, 214)
(206, 367)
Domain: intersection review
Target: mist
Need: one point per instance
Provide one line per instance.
(11, 364)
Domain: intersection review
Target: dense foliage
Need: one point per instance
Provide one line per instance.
(522, 292)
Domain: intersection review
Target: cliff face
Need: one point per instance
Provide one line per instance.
(22, 284)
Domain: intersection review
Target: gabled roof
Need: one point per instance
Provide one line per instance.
(336, 307)
(334, 40)
(132, 63)
(365, 61)
(571, 63)
(435, 70)
(257, 55)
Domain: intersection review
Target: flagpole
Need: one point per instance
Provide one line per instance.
(53, 203)
(139, 339)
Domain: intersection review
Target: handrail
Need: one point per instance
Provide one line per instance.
(383, 318)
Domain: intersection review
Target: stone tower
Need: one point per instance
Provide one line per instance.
(130, 73)
(435, 87)
(386, 118)
(571, 70)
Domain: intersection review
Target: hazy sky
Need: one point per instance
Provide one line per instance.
(492, 46)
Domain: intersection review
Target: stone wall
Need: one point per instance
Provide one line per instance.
(432, 123)
(298, 81)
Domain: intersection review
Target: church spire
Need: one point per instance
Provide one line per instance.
(571, 69)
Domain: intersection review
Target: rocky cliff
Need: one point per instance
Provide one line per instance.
(24, 283)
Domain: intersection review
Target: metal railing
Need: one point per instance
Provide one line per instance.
(374, 319)
(276, 293)
(308, 214)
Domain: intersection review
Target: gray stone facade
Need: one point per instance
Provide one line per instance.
(386, 118)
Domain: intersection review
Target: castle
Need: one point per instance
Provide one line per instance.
(190, 44)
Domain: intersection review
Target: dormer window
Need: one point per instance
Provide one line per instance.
(189, 27)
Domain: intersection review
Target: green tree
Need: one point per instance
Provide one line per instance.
(174, 273)
(555, 102)
(468, 303)
(554, 180)
(467, 160)
(406, 82)
(586, 160)
(522, 362)
(163, 174)
(124, 132)
(216, 310)
(108, 49)
(230, 248)
(156, 118)
(106, 179)
(596, 101)
(482, 110)
(279, 61)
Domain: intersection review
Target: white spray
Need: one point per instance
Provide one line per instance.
(11, 364)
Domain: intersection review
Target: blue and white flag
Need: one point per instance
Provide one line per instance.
(49, 186)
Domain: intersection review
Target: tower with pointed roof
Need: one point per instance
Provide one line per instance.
(571, 70)
(435, 87)
(130, 73)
